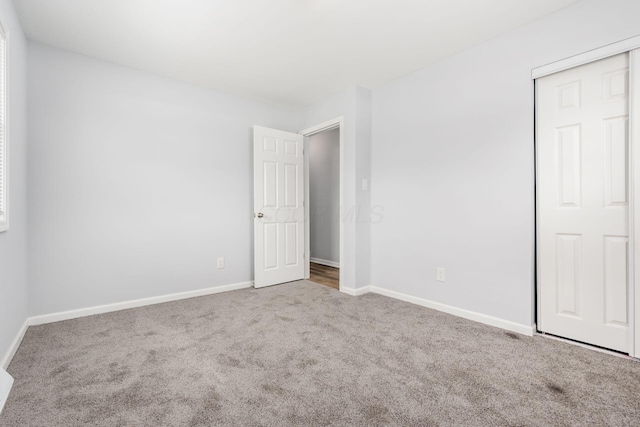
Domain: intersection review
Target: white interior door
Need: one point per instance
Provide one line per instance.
(582, 201)
(278, 188)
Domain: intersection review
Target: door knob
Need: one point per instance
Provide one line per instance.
(260, 215)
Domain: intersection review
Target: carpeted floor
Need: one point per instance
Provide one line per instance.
(305, 354)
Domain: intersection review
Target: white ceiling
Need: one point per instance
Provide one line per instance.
(288, 52)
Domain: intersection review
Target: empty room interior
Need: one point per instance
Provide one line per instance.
(319, 212)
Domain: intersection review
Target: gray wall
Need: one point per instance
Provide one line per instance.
(324, 193)
(13, 243)
(354, 106)
(453, 164)
(137, 183)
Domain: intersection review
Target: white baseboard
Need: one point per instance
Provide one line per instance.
(11, 351)
(357, 291)
(107, 308)
(471, 315)
(325, 262)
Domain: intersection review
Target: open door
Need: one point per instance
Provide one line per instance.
(278, 193)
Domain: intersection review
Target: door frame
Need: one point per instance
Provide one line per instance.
(338, 123)
(634, 200)
(629, 46)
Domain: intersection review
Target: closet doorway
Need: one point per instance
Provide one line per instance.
(322, 203)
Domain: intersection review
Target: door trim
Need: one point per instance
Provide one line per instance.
(338, 122)
(593, 55)
(634, 198)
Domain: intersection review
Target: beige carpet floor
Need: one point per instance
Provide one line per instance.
(305, 354)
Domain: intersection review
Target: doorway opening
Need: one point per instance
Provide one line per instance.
(323, 201)
(324, 207)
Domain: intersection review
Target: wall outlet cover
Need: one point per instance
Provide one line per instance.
(6, 382)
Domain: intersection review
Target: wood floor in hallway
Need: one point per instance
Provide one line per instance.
(325, 275)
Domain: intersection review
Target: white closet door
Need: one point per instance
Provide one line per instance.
(278, 185)
(582, 203)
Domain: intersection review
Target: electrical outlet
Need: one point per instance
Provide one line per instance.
(365, 184)
(220, 262)
(6, 381)
(440, 274)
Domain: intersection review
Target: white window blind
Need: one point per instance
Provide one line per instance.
(4, 167)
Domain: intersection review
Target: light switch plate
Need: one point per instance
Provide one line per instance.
(6, 382)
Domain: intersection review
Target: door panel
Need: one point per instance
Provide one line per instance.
(582, 200)
(569, 264)
(278, 198)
